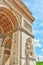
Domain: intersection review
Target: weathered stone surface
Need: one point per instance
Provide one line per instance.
(15, 21)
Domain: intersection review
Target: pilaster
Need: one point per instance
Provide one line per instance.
(15, 49)
(1, 51)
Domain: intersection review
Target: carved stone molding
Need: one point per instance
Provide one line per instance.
(29, 50)
(29, 47)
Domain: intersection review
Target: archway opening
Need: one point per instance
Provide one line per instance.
(7, 50)
(8, 24)
(8, 20)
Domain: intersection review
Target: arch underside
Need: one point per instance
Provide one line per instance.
(7, 45)
(8, 21)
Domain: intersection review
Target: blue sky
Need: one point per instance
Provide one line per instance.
(36, 7)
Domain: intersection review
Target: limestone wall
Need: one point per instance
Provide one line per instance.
(23, 52)
(1, 54)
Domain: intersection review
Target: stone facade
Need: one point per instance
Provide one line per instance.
(16, 36)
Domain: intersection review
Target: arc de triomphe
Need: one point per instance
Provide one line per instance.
(16, 36)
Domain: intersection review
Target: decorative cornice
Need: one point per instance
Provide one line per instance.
(27, 32)
(23, 10)
(21, 7)
(24, 6)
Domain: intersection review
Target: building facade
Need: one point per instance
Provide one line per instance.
(16, 36)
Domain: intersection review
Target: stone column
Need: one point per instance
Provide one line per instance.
(30, 60)
(15, 49)
(2, 55)
(1, 52)
(27, 53)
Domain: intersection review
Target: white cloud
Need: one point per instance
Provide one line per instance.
(33, 31)
(42, 50)
(39, 58)
(36, 40)
(37, 43)
(37, 31)
(41, 24)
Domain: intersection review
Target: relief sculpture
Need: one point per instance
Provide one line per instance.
(29, 50)
(29, 47)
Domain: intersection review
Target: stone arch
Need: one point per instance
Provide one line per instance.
(13, 22)
(10, 8)
(7, 48)
(7, 41)
(8, 23)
